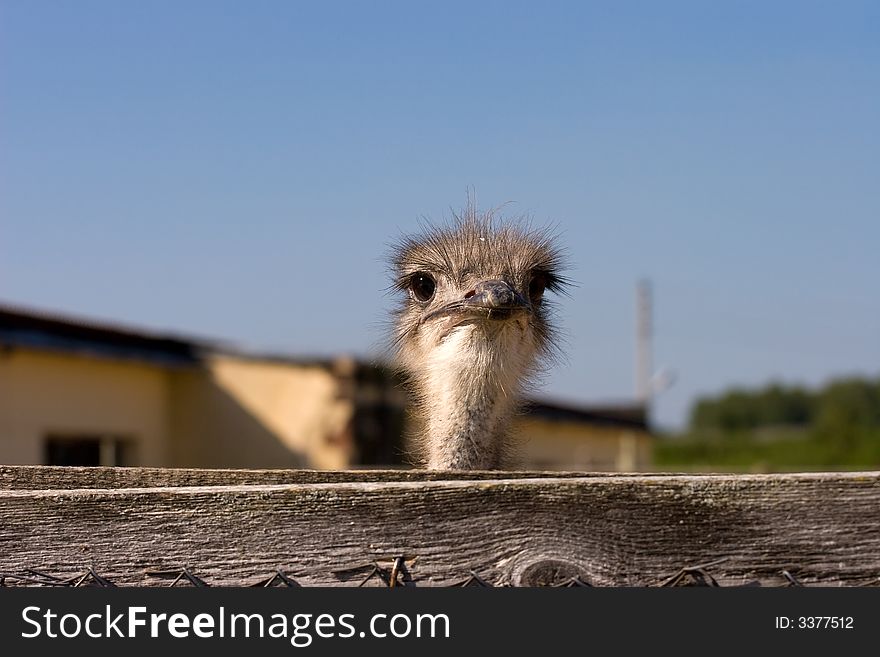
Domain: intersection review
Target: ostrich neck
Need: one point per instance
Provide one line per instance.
(470, 391)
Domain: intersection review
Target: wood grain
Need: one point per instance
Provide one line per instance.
(36, 477)
(606, 530)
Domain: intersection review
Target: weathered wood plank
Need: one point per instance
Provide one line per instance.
(608, 530)
(41, 477)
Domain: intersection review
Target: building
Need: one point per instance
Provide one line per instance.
(76, 392)
(585, 438)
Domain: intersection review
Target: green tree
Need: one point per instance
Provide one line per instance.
(740, 410)
(781, 405)
(848, 410)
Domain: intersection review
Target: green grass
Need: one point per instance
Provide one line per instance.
(784, 451)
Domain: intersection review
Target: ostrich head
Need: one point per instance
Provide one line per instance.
(472, 329)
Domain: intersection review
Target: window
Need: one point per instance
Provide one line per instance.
(87, 450)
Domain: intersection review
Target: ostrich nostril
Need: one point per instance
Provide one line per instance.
(470, 294)
(496, 294)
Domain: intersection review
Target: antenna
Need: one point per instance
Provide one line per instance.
(644, 330)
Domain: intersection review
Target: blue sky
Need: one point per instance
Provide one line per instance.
(237, 169)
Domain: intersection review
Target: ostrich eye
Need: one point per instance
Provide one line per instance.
(537, 285)
(422, 286)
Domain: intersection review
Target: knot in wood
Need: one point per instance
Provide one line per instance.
(551, 572)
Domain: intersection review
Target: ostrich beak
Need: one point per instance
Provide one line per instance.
(497, 298)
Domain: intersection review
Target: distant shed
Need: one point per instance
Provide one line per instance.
(80, 392)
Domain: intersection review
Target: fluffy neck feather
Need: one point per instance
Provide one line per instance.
(470, 388)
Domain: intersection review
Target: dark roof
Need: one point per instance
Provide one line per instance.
(28, 328)
(37, 329)
(631, 415)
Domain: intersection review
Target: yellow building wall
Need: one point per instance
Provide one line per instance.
(44, 393)
(229, 412)
(241, 412)
(236, 412)
(559, 445)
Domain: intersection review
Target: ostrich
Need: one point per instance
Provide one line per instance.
(472, 331)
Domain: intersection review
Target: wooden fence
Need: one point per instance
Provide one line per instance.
(139, 526)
